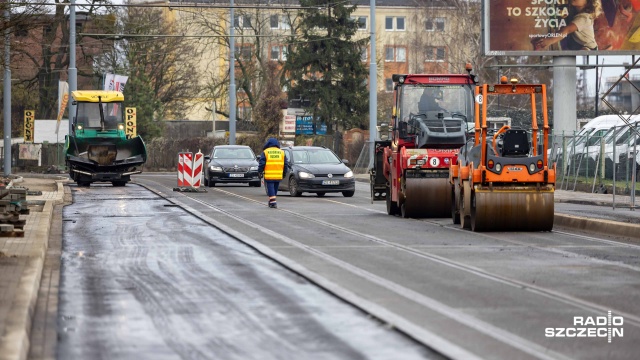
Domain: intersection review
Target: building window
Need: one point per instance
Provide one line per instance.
(280, 22)
(434, 24)
(278, 53)
(428, 53)
(389, 54)
(245, 113)
(364, 55)
(388, 85)
(242, 21)
(394, 23)
(434, 53)
(395, 54)
(361, 20)
(244, 51)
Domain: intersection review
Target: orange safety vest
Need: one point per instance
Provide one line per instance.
(274, 165)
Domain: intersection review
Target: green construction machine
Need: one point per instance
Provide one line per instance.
(97, 148)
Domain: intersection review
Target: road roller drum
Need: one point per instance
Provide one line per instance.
(426, 198)
(517, 209)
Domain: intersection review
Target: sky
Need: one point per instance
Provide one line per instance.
(607, 71)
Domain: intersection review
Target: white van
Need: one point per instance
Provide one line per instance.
(594, 130)
(623, 135)
(587, 141)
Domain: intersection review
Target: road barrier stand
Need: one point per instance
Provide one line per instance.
(190, 172)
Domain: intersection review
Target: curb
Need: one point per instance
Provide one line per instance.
(599, 226)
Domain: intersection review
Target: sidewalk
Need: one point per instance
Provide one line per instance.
(21, 262)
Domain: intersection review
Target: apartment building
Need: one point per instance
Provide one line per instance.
(412, 37)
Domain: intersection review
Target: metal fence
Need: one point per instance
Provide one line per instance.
(608, 163)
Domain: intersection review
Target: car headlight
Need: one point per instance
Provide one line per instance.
(305, 175)
(349, 174)
(215, 168)
(253, 168)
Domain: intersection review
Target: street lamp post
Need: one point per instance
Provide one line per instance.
(7, 95)
(232, 79)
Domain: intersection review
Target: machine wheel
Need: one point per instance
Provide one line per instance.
(211, 183)
(403, 211)
(83, 183)
(427, 198)
(320, 194)
(255, 184)
(293, 187)
(455, 209)
(348, 193)
(392, 207)
(504, 210)
(465, 205)
(119, 183)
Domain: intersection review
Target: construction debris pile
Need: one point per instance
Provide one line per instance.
(13, 203)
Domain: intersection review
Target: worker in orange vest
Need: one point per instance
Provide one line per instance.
(272, 166)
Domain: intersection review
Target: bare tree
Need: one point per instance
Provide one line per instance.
(260, 35)
(40, 51)
(161, 65)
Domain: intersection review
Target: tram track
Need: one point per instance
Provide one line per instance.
(508, 338)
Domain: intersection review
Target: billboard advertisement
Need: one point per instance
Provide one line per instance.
(561, 27)
(304, 125)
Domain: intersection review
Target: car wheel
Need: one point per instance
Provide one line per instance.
(119, 183)
(255, 184)
(348, 193)
(206, 181)
(320, 194)
(293, 187)
(211, 183)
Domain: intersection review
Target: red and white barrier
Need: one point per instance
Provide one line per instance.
(198, 161)
(181, 170)
(190, 168)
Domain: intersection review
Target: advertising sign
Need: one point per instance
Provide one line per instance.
(130, 122)
(29, 117)
(556, 27)
(321, 129)
(304, 125)
(289, 124)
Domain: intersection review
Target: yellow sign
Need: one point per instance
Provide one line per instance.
(130, 122)
(29, 116)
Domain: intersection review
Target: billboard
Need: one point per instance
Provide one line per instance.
(304, 125)
(556, 27)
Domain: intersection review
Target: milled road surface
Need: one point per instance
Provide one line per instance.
(492, 295)
(143, 279)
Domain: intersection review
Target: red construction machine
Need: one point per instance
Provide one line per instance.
(430, 119)
(503, 181)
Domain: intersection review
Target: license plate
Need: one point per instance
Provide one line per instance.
(236, 175)
(330, 182)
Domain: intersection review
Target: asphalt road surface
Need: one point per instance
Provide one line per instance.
(144, 279)
(150, 272)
